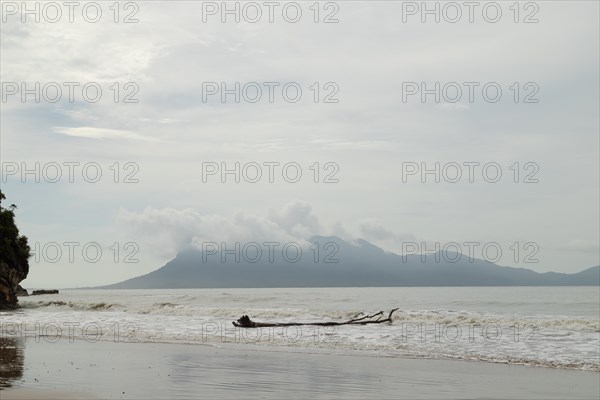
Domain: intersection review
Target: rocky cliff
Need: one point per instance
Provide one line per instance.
(10, 276)
(14, 257)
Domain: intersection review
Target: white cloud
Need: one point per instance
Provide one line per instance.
(296, 218)
(170, 230)
(373, 230)
(89, 132)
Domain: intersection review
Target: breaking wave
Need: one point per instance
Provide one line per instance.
(442, 317)
(492, 330)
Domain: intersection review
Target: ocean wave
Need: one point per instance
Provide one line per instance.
(557, 345)
(72, 305)
(557, 325)
(455, 318)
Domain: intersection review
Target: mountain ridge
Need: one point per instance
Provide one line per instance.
(359, 264)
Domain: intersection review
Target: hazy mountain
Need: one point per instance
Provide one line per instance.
(358, 264)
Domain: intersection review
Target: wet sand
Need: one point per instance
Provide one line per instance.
(108, 370)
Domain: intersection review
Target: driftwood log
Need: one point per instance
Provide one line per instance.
(246, 322)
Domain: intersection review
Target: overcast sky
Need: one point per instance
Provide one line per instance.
(369, 136)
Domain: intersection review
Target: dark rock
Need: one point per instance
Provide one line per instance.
(14, 256)
(21, 292)
(9, 280)
(44, 291)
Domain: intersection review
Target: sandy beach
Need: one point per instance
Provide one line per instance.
(109, 370)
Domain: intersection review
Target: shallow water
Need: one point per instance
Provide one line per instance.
(141, 370)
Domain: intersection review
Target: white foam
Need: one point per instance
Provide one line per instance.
(555, 339)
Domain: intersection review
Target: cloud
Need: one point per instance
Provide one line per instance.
(341, 232)
(170, 230)
(89, 132)
(372, 230)
(296, 218)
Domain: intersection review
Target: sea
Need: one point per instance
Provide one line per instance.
(554, 327)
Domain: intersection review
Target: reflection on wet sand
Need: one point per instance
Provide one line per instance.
(11, 361)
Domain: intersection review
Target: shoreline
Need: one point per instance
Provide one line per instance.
(269, 346)
(228, 371)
